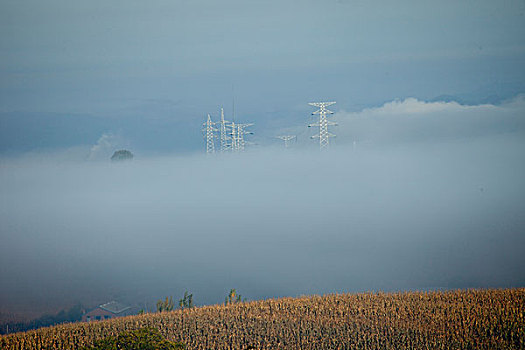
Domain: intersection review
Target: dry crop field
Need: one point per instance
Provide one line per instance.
(472, 319)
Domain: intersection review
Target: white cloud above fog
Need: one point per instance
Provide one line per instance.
(411, 120)
(105, 146)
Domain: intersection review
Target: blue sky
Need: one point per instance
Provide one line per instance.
(151, 71)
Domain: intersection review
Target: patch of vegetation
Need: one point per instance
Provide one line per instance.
(122, 154)
(187, 301)
(140, 339)
(233, 298)
(165, 305)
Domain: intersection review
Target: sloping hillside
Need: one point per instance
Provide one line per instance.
(479, 319)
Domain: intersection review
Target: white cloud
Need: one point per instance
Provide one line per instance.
(414, 106)
(414, 120)
(105, 146)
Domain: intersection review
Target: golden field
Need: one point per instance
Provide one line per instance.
(471, 319)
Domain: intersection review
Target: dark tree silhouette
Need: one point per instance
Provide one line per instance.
(121, 155)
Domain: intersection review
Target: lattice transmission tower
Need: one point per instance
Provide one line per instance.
(210, 135)
(287, 139)
(225, 146)
(233, 136)
(323, 123)
(237, 136)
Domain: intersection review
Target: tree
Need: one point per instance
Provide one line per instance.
(233, 297)
(72, 314)
(187, 301)
(122, 154)
(165, 305)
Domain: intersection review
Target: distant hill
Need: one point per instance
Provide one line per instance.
(473, 319)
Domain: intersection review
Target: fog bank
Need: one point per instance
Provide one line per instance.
(269, 223)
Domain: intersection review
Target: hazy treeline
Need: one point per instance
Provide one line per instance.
(73, 314)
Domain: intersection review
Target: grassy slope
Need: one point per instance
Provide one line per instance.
(480, 319)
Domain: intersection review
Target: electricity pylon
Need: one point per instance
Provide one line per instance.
(287, 139)
(240, 135)
(323, 123)
(210, 135)
(237, 136)
(224, 136)
(233, 137)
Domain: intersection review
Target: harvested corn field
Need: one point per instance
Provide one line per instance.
(473, 319)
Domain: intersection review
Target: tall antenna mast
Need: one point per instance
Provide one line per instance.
(323, 123)
(210, 136)
(287, 139)
(233, 104)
